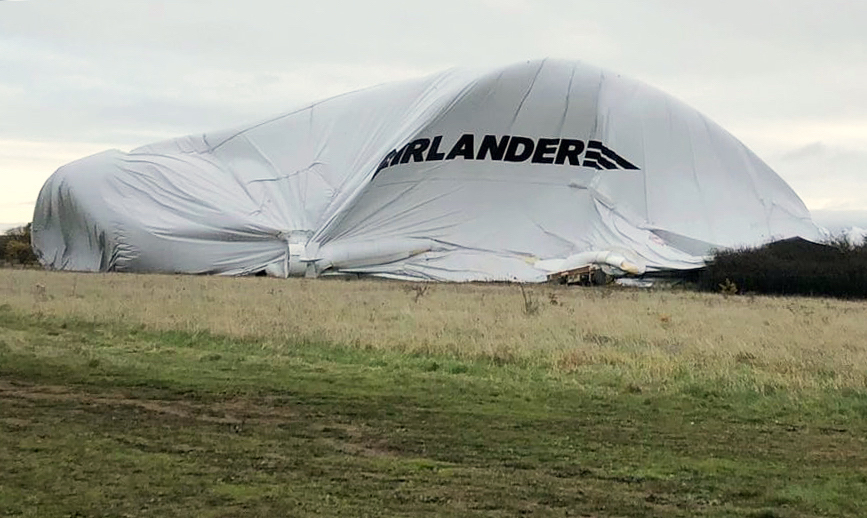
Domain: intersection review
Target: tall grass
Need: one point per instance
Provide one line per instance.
(644, 339)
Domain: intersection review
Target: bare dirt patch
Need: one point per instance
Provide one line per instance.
(234, 411)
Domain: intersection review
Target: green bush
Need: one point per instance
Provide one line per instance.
(15, 246)
(792, 267)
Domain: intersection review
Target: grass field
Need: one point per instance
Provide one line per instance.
(128, 395)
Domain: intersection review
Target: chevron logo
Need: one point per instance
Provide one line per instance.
(598, 156)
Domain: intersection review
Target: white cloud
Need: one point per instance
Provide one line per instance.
(829, 177)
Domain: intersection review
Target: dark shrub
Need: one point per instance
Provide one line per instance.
(15, 246)
(792, 267)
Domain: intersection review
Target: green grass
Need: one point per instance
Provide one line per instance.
(105, 420)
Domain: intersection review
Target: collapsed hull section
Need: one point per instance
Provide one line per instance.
(504, 175)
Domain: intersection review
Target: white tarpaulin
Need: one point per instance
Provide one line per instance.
(504, 175)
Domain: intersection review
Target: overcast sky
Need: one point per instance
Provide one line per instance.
(787, 77)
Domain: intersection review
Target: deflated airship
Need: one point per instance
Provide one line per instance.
(500, 175)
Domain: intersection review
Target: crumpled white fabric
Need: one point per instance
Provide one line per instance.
(306, 193)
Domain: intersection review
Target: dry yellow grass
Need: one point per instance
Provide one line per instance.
(650, 339)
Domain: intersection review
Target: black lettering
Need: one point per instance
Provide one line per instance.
(511, 149)
(545, 146)
(386, 160)
(569, 150)
(526, 144)
(463, 147)
(398, 155)
(434, 154)
(415, 151)
(490, 145)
